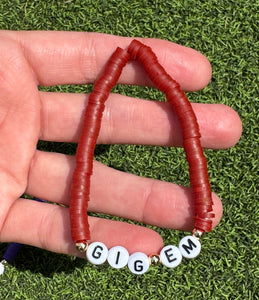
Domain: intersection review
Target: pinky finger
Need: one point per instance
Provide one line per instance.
(47, 226)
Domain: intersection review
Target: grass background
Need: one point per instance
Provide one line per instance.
(227, 33)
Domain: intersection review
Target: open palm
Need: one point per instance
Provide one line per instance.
(29, 59)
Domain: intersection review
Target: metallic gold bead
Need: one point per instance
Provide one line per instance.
(82, 247)
(198, 234)
(154, 259)
(3, 262)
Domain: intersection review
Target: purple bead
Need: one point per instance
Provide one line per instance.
(11, 252)
(39, 200)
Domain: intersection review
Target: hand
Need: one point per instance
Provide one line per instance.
(29, 59)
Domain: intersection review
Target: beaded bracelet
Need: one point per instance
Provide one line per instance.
(118, 257)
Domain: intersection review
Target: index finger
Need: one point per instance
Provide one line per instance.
(78, 57)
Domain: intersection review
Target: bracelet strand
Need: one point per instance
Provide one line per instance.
(118, 257)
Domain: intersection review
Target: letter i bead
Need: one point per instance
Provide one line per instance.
(118, 257)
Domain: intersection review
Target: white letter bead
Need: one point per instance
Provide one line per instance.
(190, 246)
(1, 268)
(97, 253)
(118, 257)
(138, 263)
(170, 256)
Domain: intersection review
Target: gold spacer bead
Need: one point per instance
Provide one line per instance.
(198, 234)
(4, 262)
(82, 246)
(154, 259)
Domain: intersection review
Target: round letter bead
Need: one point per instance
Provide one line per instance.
(1, 268)
(97, 253)
(170, 256)
(118, 257)
(138, 263)
(190, 246)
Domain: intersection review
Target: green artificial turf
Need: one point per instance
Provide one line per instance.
(227, 33)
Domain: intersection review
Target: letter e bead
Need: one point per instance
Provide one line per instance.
(170, 256)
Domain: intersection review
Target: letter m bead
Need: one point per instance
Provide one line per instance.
(190, 246)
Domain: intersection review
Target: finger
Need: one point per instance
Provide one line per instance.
(116, 193)
(47, 226)
(135, 121)
(77, 57)
(19, 123)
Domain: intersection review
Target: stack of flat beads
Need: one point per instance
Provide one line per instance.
(118, 257)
